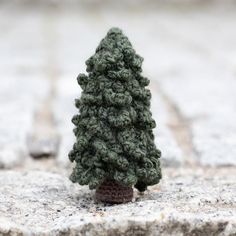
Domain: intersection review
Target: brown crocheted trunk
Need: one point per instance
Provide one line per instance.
(112, 192)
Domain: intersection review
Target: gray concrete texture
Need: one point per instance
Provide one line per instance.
(190, 57)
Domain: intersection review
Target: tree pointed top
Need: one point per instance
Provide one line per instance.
(114, 30)
(115, 39)
(114, 52)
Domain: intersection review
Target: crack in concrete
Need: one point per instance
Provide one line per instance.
(179, 127)
(44, 141)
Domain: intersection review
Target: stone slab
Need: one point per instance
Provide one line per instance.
(23, 83)
(44, 203)
(198, 75)
(19, 99)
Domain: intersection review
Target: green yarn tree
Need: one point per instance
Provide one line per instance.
(114, 138)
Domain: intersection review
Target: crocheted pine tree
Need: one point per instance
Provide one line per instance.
(114, 147)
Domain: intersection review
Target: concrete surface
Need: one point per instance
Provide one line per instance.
(43, 203)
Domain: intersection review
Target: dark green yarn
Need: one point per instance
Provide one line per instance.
(114, 137)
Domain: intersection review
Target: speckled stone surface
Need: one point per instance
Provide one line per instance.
(43, 203)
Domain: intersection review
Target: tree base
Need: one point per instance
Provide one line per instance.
(114, 193)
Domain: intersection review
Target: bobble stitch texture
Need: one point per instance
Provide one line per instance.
(114, 137)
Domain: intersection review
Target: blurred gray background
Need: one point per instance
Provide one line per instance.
(190, 57)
